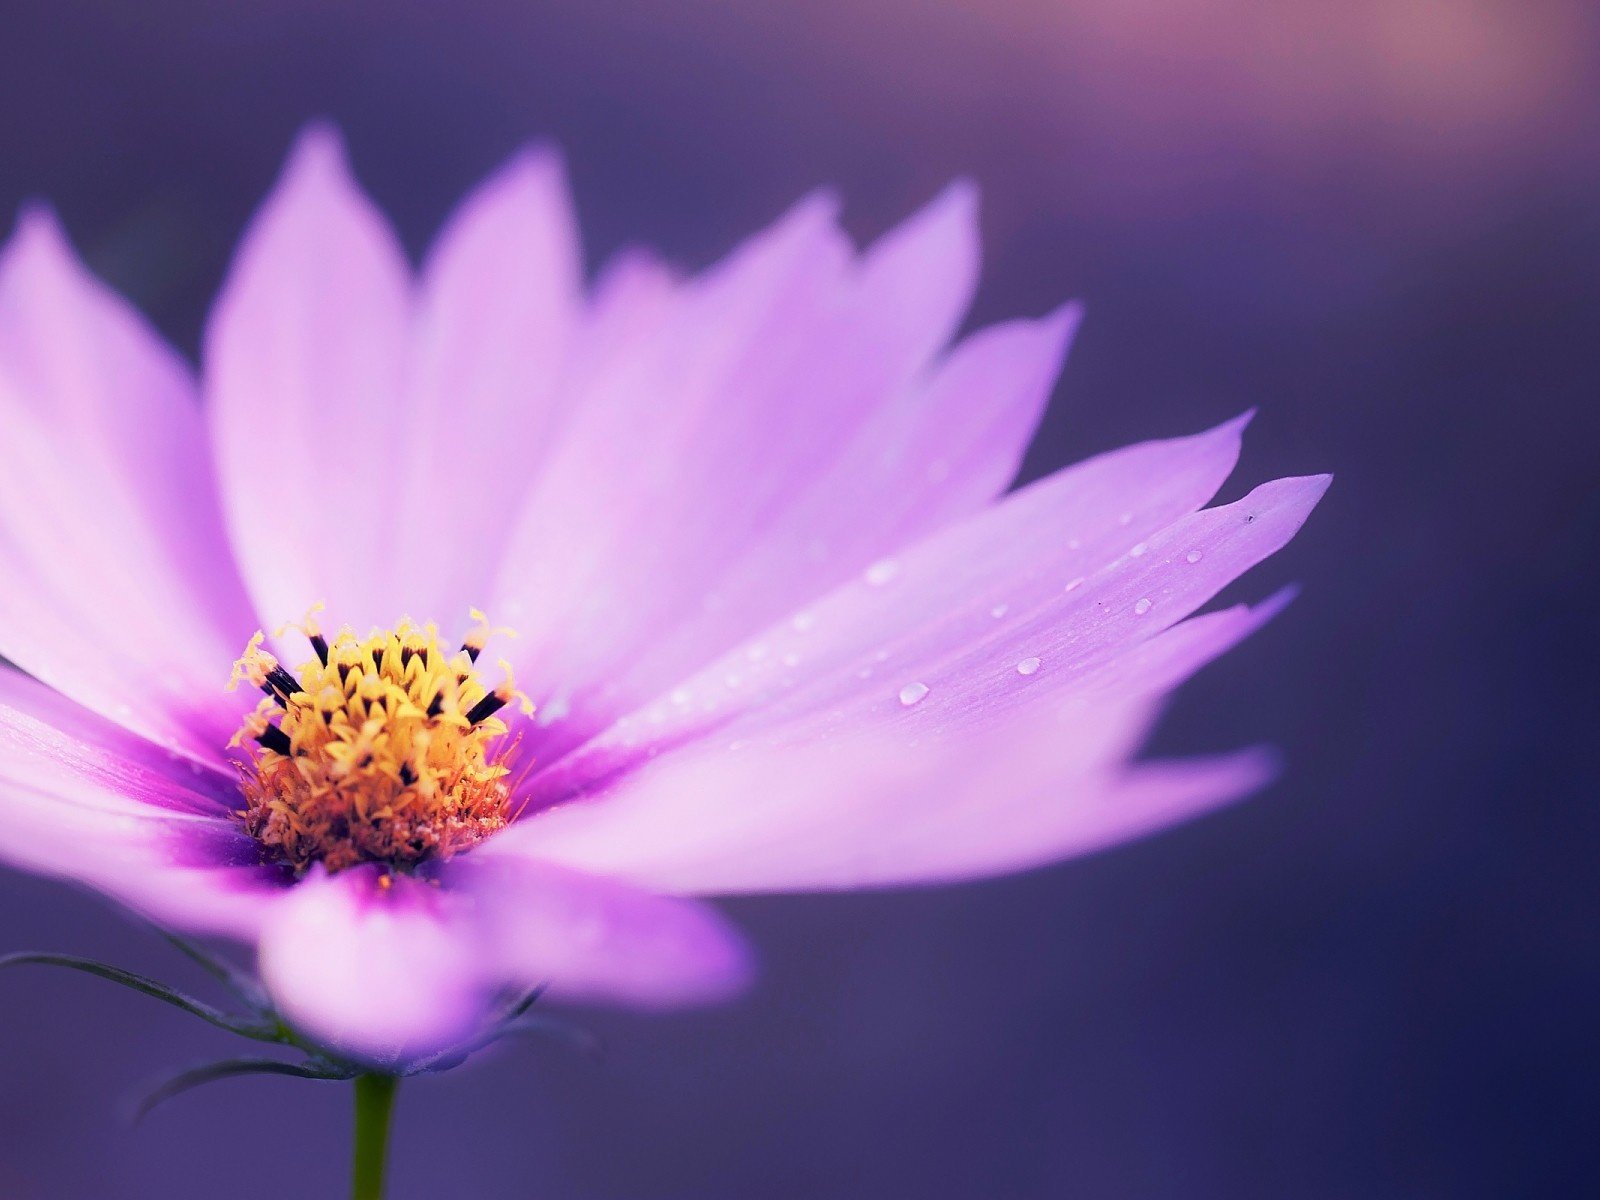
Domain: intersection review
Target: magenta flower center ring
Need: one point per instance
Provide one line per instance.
(384, 749)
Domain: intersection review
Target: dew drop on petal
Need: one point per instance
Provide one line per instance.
(1142, 606)
(1073, 585)
(882, 571)
(1193, 556)
(999, 610)
(1138, 550)
(803, 621)
(791, 659)
(1027, 666)
(1125, 519)
(912, 693)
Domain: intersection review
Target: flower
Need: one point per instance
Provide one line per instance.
(776, 628)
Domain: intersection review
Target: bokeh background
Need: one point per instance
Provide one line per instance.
(1379, 220)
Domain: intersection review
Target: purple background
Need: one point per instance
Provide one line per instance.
(1379, 220)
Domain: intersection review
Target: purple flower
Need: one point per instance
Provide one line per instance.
(776, 630)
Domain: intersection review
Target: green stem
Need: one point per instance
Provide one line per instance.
(374, 1107)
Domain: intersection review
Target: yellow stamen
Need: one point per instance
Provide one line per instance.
(379, 749)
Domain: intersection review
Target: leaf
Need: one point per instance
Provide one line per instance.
(229, 1068)
(260, 1031)
(236, 981)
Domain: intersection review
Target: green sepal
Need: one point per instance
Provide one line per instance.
(229, 1068)
(251, 1027)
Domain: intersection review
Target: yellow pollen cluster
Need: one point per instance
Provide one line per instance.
(379, 749)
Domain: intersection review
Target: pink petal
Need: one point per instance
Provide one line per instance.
(382, 975)
(82, 799)
(118, 584)
(871, 810)
(500, 299)
(982, 579)
(594, 939)
(773, 435)
(386, 974)
(857, 757)
(304, 358)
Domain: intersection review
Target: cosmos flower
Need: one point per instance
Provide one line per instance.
(778, 627)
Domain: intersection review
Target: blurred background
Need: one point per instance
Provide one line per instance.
(1379, 220)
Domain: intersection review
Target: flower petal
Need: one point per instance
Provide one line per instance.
(595, 939)
(118, 583)
(304, 360)
(82, 799)
(979, 580)
(393, 972)
(500, 300)
(378, 974)
(772, 437)
(882, 802)
(866, 753)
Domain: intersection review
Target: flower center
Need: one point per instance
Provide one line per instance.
(379, 749)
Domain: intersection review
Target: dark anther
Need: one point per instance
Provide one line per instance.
(436, 705)
(407, 775)
(407, 653)
(320, 645)
(275, 739)
(280, 685)
(472, 651)
(487, 707)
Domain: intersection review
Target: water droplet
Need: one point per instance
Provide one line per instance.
(1193, 556)
(999, 610)
(756, 652)
(731, 680)
(1073, 585)
(1138, 550)
(912, 693)
(882, 571)
(880, 655)
(803, 621)
(1125, 519)
(1074, 544)
(864, 673)
(1027, 666)
(680, 696)
(791, 659)
(1142, 606)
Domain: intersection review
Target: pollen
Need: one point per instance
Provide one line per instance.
(384, 749)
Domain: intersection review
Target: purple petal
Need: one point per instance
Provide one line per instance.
(595, 939)
(89, 802)
(947, 731)
(783, 426)
(382, 975)
(500, 301)
(977, 581)
(872, 810)
(385, 974)
(118, 584)
(304, 355)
